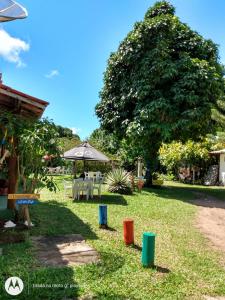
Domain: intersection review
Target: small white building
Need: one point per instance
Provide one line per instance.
(221, 154)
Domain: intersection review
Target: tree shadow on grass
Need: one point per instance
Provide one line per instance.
(19, 261)
(54, 218)
(58, 283)
(107, 199)
(197, 196)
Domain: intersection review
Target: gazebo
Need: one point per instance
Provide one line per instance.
(85, 152)
(27, 106)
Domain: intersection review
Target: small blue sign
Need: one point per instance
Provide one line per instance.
(26, 201)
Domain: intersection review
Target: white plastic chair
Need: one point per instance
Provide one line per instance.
(82, 186)
(97, 185)
(98, 174)
(68, 185)
(93, 175)
(90, 184)
(76, 186)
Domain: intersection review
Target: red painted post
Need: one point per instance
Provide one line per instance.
(128, 231)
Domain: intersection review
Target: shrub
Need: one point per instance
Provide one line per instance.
(159, 176)
(118, 181)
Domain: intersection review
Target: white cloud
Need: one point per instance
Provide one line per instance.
(10, 48)
(75, 130)
(52, 73)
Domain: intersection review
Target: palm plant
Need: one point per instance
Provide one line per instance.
(118, 181)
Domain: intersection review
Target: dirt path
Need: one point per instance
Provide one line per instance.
(211, 219)
(211, 222)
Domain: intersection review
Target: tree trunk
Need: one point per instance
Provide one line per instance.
(148, 175)
(151, 166)
(13, 179)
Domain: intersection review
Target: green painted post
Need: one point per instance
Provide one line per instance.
(148, 249)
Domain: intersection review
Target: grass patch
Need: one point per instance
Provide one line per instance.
(215, 191)
(186, 267)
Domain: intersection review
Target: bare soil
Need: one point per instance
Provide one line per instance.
(211, 219)
(214, 298)
(9, 237)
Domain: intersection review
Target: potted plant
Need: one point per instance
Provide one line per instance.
(140, 184)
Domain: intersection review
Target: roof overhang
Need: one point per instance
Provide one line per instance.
(217, 152)
(21, 103)
(11, 10)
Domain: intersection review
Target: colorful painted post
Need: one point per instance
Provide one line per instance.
(128, 231)
(148, 249)
(103, 216)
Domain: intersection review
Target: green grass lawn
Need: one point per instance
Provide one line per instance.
(187, 268)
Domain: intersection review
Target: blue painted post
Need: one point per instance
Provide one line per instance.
(103, 216)
(148, 249)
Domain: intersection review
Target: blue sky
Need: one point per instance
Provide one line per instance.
(59, 53)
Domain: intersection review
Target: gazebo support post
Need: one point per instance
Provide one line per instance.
(84, 166)
(74, 169)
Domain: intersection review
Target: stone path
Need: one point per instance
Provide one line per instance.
(64, 250)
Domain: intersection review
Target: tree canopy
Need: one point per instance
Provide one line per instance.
(66, 132)
(37, 140)
(31, 140)
(218, 113)
(66, 138)
(161, 83)
(103, 141)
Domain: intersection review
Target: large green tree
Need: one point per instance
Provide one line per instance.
(66, 138)
(161, 83)
(105, 142)
(218, 114)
